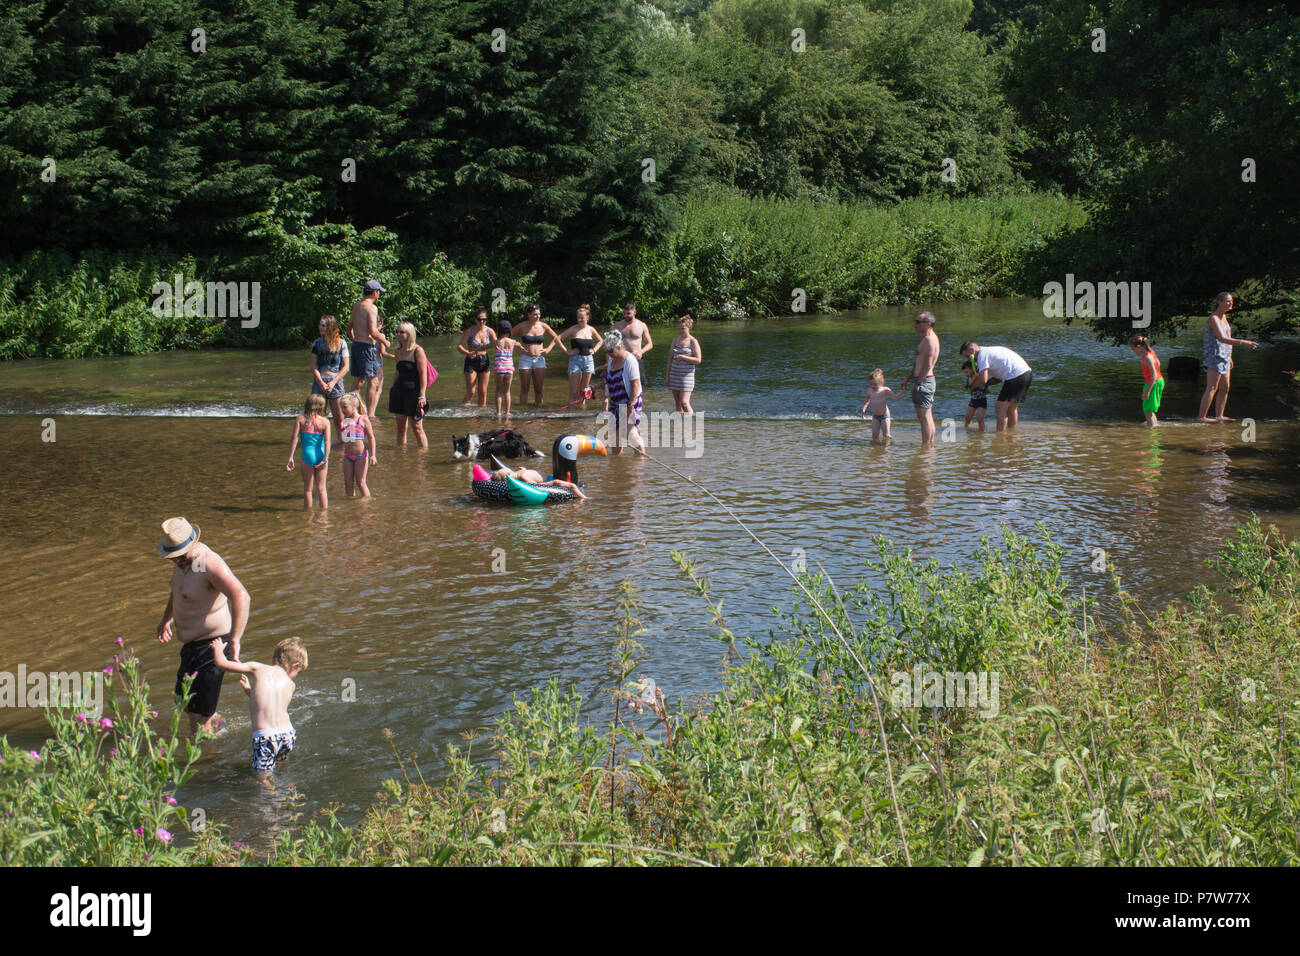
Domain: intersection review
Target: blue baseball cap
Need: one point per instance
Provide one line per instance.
(374, 286)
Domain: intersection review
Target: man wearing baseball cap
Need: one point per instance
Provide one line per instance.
(369, 346)
(199, 610)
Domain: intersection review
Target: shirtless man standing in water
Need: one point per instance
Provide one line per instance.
(927, 356)
(203, 590)
(369, 346)
(636, 334)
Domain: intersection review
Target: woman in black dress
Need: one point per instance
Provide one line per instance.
(406, 398)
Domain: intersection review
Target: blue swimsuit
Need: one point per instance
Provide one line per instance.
(313, 448)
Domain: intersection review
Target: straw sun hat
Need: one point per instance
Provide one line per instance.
(179, 536)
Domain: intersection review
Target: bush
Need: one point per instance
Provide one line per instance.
(99, 793)
(735, 256)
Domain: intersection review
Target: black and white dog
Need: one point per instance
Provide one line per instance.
(502, 442)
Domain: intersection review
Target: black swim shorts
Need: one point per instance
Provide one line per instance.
(1015, 389)
(197, 659)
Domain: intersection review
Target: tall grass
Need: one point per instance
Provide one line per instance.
(734, 256)
(1169, 740)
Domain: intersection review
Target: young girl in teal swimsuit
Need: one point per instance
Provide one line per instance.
(314, 428)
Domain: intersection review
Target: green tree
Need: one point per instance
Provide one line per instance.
(1156, 133)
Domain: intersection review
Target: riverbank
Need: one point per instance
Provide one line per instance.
(1161, 741)
(731, 256)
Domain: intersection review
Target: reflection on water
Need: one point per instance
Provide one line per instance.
(438, 607)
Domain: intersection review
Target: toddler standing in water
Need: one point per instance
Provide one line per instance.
(979, 397)
(357, 433)
(314, 429)
(1141, 347)
(269, 694)
(878, 396)
(504, 365)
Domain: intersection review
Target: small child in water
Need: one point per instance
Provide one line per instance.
(878, 396)
(314, 429)
(503, 365)
(358, 433)
(979, 397)
(530, 477)
(268, 698)
(1141, 347)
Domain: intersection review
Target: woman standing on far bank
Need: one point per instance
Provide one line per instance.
(329, 364)
(406, 398)
(682, 359)
(586, 341)
(1216, 356)
(474, 345)
(532, 333)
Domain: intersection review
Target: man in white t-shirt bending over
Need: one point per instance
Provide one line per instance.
(994, 361)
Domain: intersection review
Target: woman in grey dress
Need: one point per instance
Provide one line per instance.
(1216, 356)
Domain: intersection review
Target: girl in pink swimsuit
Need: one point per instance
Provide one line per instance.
(357, 433)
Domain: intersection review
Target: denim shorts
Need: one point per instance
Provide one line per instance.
(529, 361)
(581, 363)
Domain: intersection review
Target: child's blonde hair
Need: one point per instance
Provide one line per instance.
(877, 377)
(315, 405)
(289, 652)
(355, 399)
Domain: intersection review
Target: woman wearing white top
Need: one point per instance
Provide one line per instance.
(995, 361)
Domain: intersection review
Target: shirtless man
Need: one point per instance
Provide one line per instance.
(369, 346)
(203, 591)
(927, 356)
(636, 334)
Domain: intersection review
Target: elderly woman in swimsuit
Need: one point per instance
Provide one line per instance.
(622, 377)
(1216, 356)
(532, 333)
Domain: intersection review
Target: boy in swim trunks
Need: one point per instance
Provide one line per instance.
(878, 396)
(530, 477)
(269, 692)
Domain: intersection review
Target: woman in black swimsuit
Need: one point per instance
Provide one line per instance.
(474, 345)
(532, 333)
(406, 398)
(586, 339)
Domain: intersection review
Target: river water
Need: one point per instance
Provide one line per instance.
(401, 596)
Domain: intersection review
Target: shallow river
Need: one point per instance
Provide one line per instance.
(399, 593)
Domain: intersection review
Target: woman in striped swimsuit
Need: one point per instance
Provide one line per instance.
(622, 375)
(680, 375)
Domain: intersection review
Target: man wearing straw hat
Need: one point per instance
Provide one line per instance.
(203, 591)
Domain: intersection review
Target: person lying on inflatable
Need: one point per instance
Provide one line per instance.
(530, 477)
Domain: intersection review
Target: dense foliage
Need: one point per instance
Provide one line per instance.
(1156, 134)
(548, 147)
